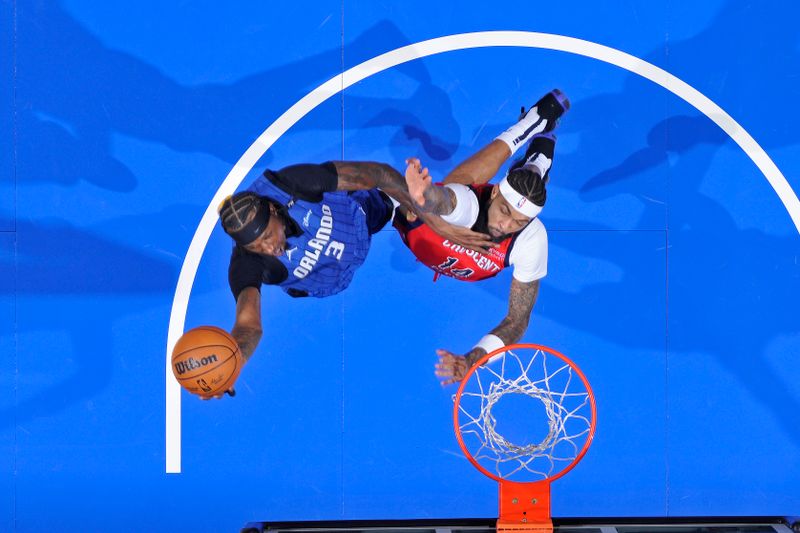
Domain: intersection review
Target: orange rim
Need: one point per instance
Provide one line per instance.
(483, 360)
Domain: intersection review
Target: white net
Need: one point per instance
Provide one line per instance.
(526, 415)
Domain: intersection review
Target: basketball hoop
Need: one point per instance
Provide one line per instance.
(551, 436)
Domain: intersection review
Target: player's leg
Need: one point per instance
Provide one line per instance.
(484, 164)
(539, 155)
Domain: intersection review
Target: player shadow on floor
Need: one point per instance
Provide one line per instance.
(705, 62)
(727, 284)
(718, 305)
(88, 282)
(673, 136)
(125, 96)
(68, 123)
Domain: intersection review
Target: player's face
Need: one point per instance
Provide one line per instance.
(272, 240)
(503, 219)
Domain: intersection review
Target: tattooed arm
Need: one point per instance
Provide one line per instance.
(521, 299)
(436, 200)
(363, 175)
(354, 176)
(247, 328)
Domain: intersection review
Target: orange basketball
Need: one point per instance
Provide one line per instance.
(206, 361)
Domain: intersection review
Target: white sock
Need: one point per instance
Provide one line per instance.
(518, 134)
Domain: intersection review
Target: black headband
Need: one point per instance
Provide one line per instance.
(238, 207)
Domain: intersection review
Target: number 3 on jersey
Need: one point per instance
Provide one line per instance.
(336, 249)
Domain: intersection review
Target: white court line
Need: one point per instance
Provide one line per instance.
(462, 41)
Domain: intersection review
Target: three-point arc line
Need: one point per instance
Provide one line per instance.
(462, 41)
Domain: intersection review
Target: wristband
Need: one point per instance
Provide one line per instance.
(490, 343)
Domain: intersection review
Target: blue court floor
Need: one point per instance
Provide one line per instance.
(673, 274)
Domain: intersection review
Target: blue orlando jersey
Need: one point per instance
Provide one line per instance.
(334, 241)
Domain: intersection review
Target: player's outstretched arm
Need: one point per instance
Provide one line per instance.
(481, 166)
(247, 328)
(359, 175)
(484, 164)
(429, 199)
(367, 175)
(521, 299)
(453, 368)
(436, 202)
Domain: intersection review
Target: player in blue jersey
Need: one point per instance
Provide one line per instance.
(307, 228)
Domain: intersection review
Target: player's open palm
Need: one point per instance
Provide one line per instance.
(451, 368)
(417, 179)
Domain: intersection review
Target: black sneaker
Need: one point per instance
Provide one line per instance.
(549, 107)
(541, 145)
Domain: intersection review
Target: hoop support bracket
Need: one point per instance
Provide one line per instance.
(524, 507)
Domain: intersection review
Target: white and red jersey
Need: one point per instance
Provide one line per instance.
(525, 250)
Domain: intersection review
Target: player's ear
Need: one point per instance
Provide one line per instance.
(495, 190)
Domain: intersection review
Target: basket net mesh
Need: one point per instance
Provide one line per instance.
(543, 426)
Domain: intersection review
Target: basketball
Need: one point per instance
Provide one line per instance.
(206, 361)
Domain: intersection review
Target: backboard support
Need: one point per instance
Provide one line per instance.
(524, 507)
(759, 524)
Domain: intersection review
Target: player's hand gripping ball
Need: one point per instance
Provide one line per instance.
(206, 361)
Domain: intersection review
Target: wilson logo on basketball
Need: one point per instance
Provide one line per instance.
(192, 364)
